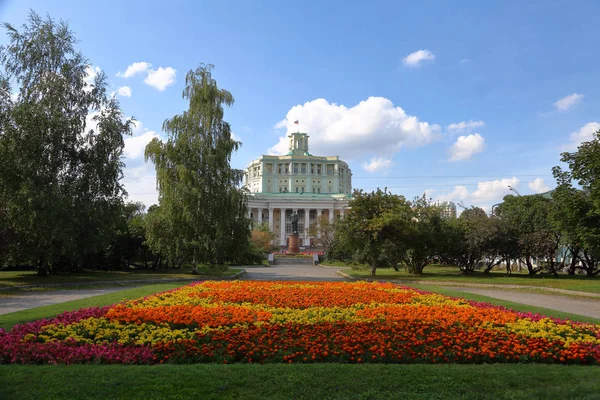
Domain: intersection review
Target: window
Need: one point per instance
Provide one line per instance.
(318, 190)
(279, 190)
(313, 190)
(296, 189)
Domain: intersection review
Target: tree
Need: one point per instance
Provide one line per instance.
(374, 220)
(199, 191)
(325, 234)
(577, 213)
(262, 237)
(61, 142)
(420, 235)
(529, 220)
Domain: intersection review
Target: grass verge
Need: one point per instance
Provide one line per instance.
(509, 304)
(8, 320)
(453, 274)
(10, 279)
(322, 381)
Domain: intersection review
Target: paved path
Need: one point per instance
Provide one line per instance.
(292, 273)
(26, 300)
(588, 308)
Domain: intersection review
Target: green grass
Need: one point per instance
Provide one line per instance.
(453, 274)
(317, 381)
(8, 320)
(22, 278)
(509, 304)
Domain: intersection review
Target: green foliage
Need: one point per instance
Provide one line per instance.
(420, 235)
(202, 212)
(325, 236)
(577, 213)
(528, 220)
(262, 238)
(61, 142)
(374, 222)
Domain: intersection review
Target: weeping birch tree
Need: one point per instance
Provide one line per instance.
(199, 192)
(61, 141)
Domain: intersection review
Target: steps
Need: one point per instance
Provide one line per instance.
(293, 261)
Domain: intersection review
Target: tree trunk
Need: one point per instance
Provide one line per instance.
(42, 267)
(373, 268)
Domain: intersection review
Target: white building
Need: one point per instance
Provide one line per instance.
(312, 186)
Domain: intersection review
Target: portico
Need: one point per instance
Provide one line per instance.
(276, 212)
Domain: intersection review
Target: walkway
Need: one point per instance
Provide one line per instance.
(26, 300)
(588, 308)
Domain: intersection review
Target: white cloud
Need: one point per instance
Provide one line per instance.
(235, 137)
(568, 102)
(464, 126)
(464, 60)
(415, 59)
(159, 78)
(377, 164)
(458, 193)
(466, 147)
(134, 69)
(374, 127)
(585, 134)
(140, 183)
(486, 194)
(538, 185)
(14, 97)
(90, 76)
(136, 143)
(124, 91)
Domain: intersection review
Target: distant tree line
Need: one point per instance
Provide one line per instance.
(62, 203)
(559, 231)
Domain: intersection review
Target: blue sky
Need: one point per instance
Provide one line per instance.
(459, 99)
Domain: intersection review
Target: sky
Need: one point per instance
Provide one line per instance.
(457, 100)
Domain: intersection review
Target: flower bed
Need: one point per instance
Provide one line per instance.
(296, 322)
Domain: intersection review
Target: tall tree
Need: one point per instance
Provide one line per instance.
(578, 210)
(61, 142)
(373, 224)
(538, 239)
(199, 191)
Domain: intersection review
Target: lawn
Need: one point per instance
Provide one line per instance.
(24, 278)
(317, 381)
(453, 274)
(8, 320)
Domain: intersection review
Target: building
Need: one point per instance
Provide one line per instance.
(448, 209)
(313, 186)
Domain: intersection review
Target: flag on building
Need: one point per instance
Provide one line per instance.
(297, 121)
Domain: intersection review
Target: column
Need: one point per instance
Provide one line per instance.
(282, 223)
(259, 215)
(249, 213)
(342, 213)
(331, 215)
(271, 219)
(319, 215)
(306, 225)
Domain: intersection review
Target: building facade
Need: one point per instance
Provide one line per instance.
(312, 186)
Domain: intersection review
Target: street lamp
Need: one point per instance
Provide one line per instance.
(512, 189)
